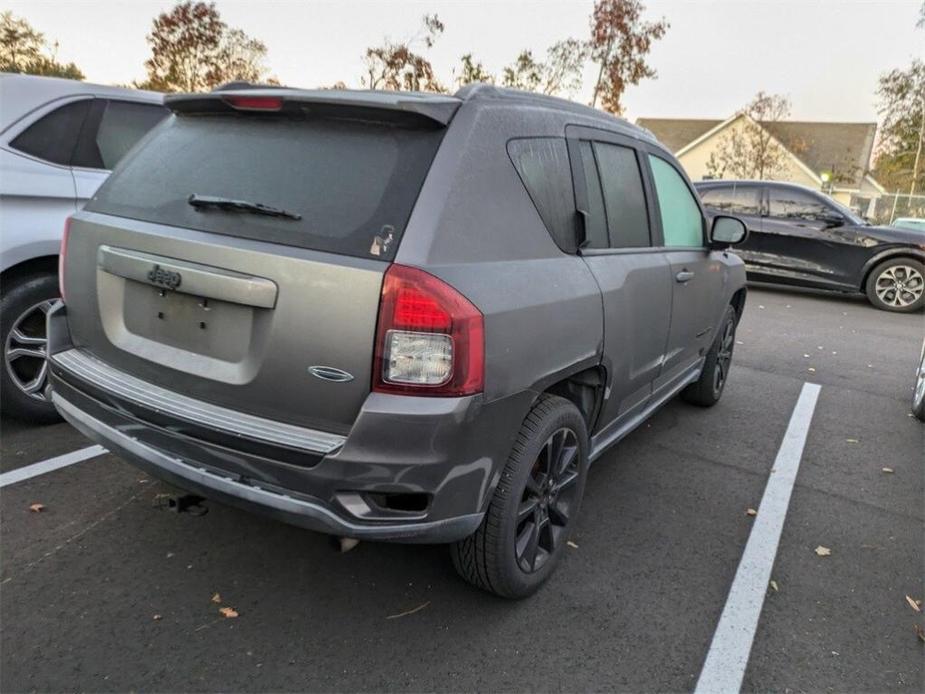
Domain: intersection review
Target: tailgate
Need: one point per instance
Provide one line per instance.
(279, 332)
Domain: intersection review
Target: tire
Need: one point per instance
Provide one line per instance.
(23, 373)
(708, 389)
(918, 394)
(897, 285)
(497, 557)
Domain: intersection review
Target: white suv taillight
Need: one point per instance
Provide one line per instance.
(430, 338)
(62, 256)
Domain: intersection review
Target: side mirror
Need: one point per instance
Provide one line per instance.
(727, 231)
(832, 219)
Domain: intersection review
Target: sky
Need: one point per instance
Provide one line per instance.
(824, 55)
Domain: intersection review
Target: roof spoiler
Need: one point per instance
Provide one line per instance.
(435, 109)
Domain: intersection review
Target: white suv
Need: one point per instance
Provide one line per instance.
(58, 141)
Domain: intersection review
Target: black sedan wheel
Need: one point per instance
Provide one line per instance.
(897, 285)
(526, 527)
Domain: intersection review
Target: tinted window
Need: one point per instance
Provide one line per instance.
(54, 136)
(112, 129)
(353, 182)
(733, 199)
(543, 166)
(624, 198)
(597, 221)
(123, 124)
(791, 203)
(682, 223)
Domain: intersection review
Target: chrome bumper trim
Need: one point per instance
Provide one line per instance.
(87, 367)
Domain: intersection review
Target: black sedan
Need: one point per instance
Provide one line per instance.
(798, 236)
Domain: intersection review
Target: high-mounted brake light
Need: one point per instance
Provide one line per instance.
(62, 256)
(255, 103)
(430, 339)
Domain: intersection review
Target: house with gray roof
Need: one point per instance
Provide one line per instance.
(834, 157)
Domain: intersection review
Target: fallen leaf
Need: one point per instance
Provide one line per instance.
(572, 544)
(914, 604)
(888, 470)
(774, 586)
(823, 551)
(156, 617)
(919, 632)
(37, 508)
(811, 370)
(228, 612)
(217, 598)
(751, 512)
(405, 614)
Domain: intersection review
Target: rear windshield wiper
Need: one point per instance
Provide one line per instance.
(201, 202)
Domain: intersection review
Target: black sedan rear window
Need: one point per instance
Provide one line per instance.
(353, 183)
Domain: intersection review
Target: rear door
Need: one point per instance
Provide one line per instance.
(235, 308)
(802, 244)
(696, 277)
(631, 270)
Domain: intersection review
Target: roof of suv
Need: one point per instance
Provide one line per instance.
(436, 107)
(20, 94)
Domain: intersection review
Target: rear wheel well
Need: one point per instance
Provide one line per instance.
(584, 390)
(47, 264)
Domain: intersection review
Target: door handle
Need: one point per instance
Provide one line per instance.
(684, 276)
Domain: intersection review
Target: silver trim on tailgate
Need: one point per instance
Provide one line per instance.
(87, 367)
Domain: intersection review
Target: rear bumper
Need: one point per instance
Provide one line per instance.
(446, 453)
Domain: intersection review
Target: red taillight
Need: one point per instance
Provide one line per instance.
(430, 339)
(255, 103)
(62, 256)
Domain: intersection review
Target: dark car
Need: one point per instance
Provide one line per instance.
(798, 236)
(393, 316)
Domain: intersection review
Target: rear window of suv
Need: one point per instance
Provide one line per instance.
(353, 182)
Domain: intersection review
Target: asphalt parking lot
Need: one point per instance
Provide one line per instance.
(102, 591)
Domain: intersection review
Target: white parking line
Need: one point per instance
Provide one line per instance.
(24, 473)
(727, 658)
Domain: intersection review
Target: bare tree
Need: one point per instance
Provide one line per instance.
(559, 74)
(750, 150)
(397, 66)
(472, 71)
(620, 41)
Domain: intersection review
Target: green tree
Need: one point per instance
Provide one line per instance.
(24, 50)
(396, 65)
(899, 163)
(620, 41)
(192, 50)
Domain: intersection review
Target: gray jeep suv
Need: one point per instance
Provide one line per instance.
(392, 316)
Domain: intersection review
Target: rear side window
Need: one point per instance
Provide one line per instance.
(54, 136)
(353, 183)
(789, 203)
(543, 165)
(682, 223)
(624, 197)
(733, 199)
(112, 129)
